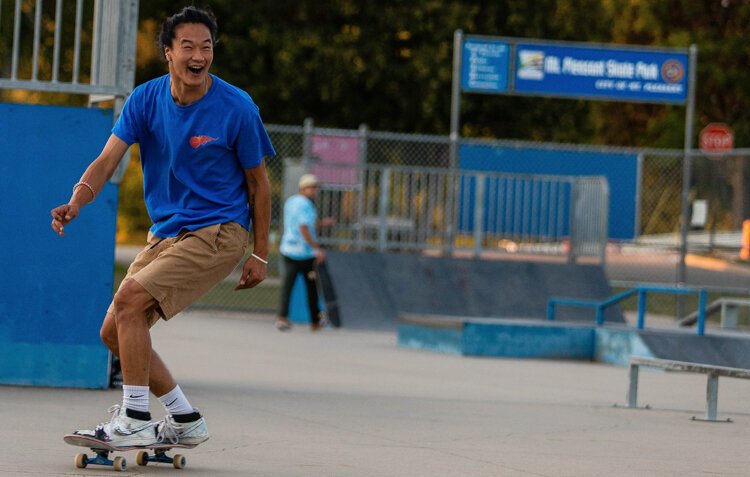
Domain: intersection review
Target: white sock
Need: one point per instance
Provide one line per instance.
(135, 398)
(175, 402)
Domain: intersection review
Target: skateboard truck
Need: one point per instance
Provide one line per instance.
(178, 461)
(102, 458)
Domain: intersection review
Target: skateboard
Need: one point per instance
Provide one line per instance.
(103, 449)
(325, 286)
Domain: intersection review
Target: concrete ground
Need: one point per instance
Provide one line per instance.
(344, 403)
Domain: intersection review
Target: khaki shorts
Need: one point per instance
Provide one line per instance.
(177, 271)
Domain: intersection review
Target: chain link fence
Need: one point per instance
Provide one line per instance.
(391, 191)
(718, 203)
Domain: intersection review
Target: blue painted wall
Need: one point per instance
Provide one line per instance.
(53, 291)
(621, 171)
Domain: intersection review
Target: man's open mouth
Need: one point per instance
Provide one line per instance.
(195, 69)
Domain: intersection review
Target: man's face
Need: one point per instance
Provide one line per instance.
(191, 54)
(310, 191)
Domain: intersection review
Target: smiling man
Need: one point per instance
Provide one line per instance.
(203, 146)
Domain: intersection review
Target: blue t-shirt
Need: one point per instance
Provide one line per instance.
(194, 156)
(298, 210)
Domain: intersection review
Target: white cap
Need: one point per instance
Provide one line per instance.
(307, 180)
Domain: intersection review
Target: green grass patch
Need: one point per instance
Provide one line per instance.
(264, 297)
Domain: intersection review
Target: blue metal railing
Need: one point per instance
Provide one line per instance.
(641, 291)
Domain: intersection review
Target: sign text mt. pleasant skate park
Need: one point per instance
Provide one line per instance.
(575, 71)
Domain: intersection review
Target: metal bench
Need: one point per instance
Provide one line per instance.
(712, 386)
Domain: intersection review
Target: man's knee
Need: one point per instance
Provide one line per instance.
(132, 302)
(108, 334)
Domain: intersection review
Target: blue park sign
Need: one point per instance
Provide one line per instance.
(574, 71)
(601, 73)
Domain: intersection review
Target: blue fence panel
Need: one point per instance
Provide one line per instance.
(517, 206)
(621, 171)
(55, 290)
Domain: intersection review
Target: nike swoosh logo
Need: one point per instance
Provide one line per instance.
(136, 397)
(175, 400)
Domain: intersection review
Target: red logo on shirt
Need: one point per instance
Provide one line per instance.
(198, 141)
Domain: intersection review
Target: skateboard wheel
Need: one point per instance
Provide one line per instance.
(81, 461)
(179, 461)
(141, 458)
(119, 463)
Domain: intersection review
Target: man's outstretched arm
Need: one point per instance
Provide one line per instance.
(91, 183)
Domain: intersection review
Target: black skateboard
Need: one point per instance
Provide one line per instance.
(325, 288)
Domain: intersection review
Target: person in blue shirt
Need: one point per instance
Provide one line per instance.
(202, 148)
(300, 250)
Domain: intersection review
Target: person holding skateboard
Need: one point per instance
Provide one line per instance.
(203, 147)
(300, 250)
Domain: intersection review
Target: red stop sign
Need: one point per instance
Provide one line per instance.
(716, 137)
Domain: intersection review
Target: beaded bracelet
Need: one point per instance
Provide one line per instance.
(85, 184)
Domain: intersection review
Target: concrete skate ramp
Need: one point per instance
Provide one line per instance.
(374, 288)
(718, 350)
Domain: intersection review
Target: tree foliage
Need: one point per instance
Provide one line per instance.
(389, 64)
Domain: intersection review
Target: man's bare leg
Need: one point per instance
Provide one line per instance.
(132, 306)
(159, 378)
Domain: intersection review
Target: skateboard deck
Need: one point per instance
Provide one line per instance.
(329, 295)
(102, 450)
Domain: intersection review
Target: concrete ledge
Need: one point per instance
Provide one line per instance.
(527, 338)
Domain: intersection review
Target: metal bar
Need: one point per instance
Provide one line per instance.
(686, 170)
(362, 161)
(702, 298)
(37, 33)
(633, 386)
(16, 41)
(385, 184)
(56, 52)
(550, 310)
(712, 396)
(600, 315)
(96, 42)
(479, 214)
(309, 130)
(75, 88)
(641, 308)
(77, 39)
(456, 97)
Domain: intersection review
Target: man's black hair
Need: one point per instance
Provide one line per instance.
(189, 14)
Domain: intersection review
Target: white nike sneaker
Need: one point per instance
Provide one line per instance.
(122, 430)
(185, 429)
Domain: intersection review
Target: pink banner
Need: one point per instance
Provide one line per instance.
(335, 159)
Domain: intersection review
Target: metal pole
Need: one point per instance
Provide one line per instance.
(56, 52)
(479, 214)
(37, 33)
(77, 40)
(458, 36)
(309, 130)
(686, 174)
(96, 42)
(16, 40)
(361, 171)
(385, 192)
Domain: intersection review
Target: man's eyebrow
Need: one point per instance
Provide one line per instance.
(185, 40)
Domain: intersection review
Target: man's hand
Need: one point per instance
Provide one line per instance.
(320, 255)
(253, 272)
(62, 216)
(327, 222)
